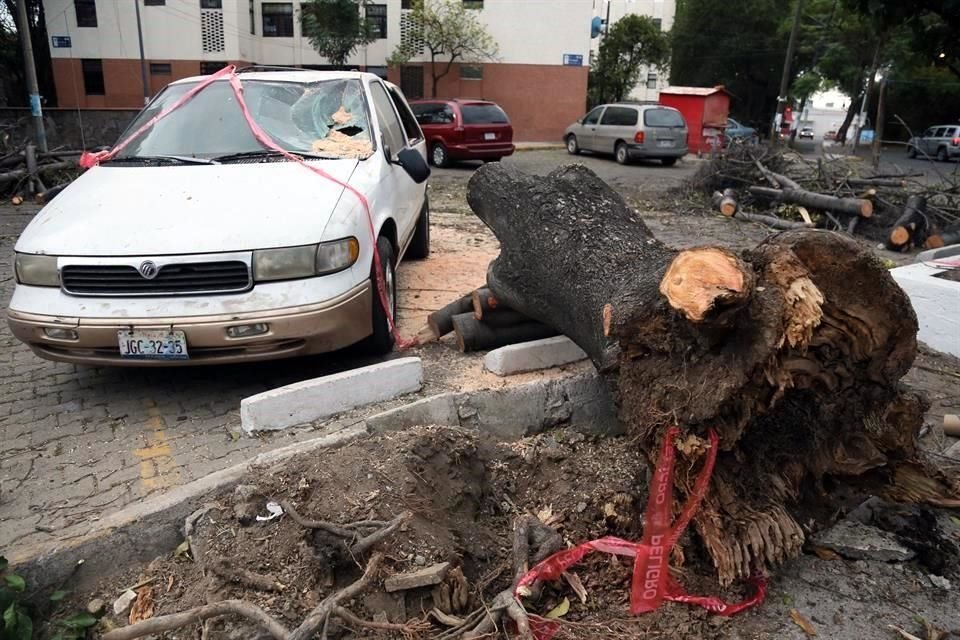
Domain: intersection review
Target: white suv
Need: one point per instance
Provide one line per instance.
(195, 244)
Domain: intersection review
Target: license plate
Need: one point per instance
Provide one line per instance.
(489, 136)
(664, 143)
(153, 345)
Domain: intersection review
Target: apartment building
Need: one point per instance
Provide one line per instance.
(539, 75)
(652, 79)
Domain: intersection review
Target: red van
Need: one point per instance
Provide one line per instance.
(463, 129)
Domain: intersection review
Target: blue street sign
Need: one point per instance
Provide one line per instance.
(61, 42)
(572, 60)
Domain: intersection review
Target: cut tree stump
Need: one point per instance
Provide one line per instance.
(797, 371)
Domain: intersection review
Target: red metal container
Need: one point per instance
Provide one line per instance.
(705, 109)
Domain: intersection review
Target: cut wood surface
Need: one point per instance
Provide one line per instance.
(474, 335)
(725, 202)
(850, 206)
(798, 371)
(911, 227)
(483, 302)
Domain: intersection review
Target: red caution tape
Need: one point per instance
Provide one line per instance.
(651, 583)
(88, 160)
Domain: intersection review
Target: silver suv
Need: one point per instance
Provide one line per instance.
(941, 142)
(630, 132)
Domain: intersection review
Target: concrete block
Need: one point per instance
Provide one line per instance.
(416, 579)
(320, 398)
(936, 302)
(534, 355)
(436, 410)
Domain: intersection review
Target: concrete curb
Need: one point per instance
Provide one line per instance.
(319, 398)
(532, 356)
(153, 527)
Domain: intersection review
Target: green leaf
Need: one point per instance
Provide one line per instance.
(3, 563)
(15, 582)
(560, 610)
(59, 595)
(10, 617)
(16, 623)
(955, 520)
(80, 621)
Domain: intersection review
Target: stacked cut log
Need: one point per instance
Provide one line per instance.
(797, 370)
(912, 228)
(479, 322)
(24, 174)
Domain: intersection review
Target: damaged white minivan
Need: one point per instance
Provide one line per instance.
(197, 244)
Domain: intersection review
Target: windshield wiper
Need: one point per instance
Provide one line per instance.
(268, 153)
(180, 159)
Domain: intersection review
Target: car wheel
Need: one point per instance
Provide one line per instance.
(623, 157)
(911, 151)
(942, 154)
(420, 245)
(381, 340)
(669, 162)
(572, 147)
(439, 156)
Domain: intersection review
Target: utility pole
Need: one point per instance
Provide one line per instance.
(143, 61)
(878, 125)
(785, 78)
(35, 109)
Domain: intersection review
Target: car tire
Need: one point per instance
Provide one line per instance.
(419, 248)
(380, 341)
(622, 154)
(439, 156)
(572, 147)
(942, 155)
(668, 162)
(911, 151)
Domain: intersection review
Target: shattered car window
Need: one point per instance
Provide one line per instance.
(326, 118)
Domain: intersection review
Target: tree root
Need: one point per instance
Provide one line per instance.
(352, 530)
(250, 579)
(318, 619)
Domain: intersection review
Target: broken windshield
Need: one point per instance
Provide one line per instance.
(327, 118)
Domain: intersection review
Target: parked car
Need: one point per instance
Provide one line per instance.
(629, 132)
(194, 244)
(805, 133)
(941, 142)
(464, 130)
(830, 135)
(737, 131)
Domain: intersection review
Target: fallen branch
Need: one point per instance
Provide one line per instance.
(772, 222)
(850, 206)
(876, 182)
(910, 229)
(242, 576)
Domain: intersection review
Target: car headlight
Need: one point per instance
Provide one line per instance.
(37, 271)
(305, 261)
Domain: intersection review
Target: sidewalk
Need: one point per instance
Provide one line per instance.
(538, 146)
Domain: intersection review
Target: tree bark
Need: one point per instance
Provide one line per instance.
(850, 206)
(473, 335)
(796, 370)
(725, 202)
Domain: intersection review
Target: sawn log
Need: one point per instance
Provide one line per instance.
(798, 371)
(850, 206)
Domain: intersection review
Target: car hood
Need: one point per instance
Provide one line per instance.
(117, 211)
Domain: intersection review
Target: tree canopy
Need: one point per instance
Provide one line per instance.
(335, 28)
(450, 33)
(632, 43)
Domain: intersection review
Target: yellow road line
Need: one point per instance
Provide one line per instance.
(158, 469)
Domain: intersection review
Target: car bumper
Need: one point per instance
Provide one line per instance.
(293, 331)
(480, 151)
(638, 151)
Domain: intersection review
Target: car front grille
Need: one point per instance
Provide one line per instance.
(171, 279)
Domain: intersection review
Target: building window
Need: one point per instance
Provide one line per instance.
(473, 4)
(253, 18)
(377, 19)
(211, 4)
(658, 23)
(154, 3)
(406, 4)
(471, 72)
(209, 68)
(92, 77)
(651, 81)
(86, 12)
(160, 68)
(277, 19)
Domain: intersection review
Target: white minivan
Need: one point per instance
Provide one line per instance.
(196, 244)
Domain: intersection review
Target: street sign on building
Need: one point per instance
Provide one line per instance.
(572, 60)
(61, 42)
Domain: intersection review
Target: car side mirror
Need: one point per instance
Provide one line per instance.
(414, 164)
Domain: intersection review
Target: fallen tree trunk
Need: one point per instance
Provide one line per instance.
(850, 206)
(441, 320)
(943, 239)
(796, 370)
(910, 229)
(473, 335)
(772, 222)
(725, 202)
